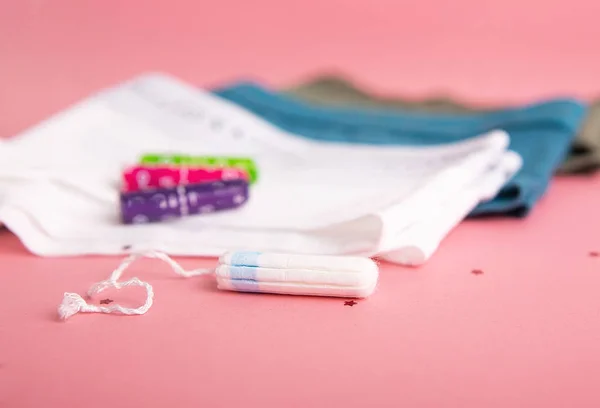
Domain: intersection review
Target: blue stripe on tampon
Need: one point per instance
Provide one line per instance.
(243, 278)
(243, 272)
(243, 285)
(244, 258)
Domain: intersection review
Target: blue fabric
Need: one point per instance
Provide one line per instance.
(540, 133)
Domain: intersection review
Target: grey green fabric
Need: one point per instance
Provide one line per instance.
(336, 91)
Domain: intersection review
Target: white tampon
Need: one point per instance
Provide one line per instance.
(292, 274)
(337, 276)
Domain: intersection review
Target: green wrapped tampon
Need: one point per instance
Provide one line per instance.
(242, 163)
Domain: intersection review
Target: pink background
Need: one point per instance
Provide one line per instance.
(525, 333)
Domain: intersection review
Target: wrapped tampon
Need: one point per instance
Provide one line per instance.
(148, 177)
(292, 274)
(243, 163)
(166, 203)
(336, 276)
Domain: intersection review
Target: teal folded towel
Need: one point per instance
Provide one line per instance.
(541, 133)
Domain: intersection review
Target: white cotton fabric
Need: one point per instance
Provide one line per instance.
(59, 181)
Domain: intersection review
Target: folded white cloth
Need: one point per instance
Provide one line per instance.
(59, 181)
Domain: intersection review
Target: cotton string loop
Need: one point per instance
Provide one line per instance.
(73, 303)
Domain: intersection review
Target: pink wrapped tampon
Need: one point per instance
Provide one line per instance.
(149, 177)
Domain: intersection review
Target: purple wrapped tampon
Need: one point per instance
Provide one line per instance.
(163, 204)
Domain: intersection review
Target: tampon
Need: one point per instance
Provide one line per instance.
(166, 203)
(243, 163)
(148, 177)
(294, 274)
(349, 277)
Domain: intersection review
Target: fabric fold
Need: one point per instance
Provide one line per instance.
(540, 133)
(59, 181)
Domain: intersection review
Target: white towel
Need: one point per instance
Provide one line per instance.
(59, 181)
